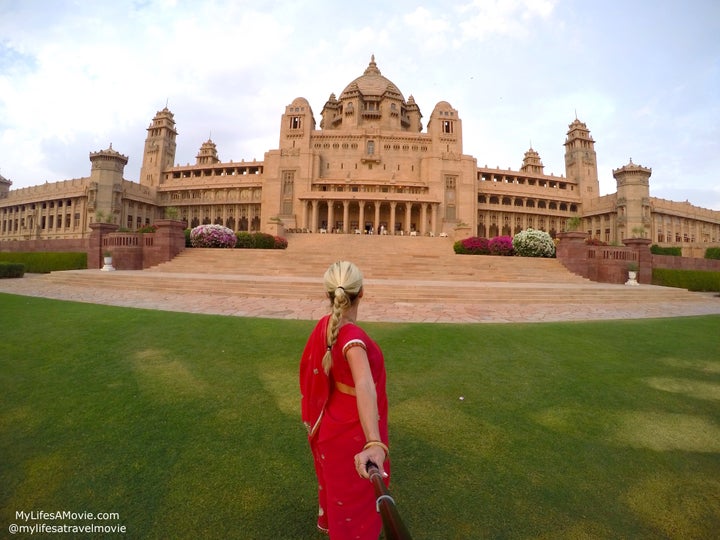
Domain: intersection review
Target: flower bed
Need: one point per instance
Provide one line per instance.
(475, 245)
(212, 236)
(533, 243)
(259, 240)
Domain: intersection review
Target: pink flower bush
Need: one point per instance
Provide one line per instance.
(210, 236)
(475, 245)
(501, 245)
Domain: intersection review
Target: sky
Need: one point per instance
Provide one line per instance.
(77, 76)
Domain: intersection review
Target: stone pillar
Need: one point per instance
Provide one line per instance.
(314, 223)
(393, 205)
(95, 244)
(423, 218)
(331, 215)
(572, 252)
(641, 246)
(434, 218)
(408, 216)
(377, 217)
(346, 216)
(361, 216)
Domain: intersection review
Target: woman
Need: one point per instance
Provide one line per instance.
(344, 407)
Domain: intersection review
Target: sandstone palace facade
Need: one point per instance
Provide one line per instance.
(371, 167)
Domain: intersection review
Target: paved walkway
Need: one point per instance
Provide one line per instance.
(370, 310)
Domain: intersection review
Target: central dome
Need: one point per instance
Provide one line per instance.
(371, 83)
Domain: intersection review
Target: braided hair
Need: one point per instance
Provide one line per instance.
(343, 283)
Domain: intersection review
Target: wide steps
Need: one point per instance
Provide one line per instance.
(397, 270)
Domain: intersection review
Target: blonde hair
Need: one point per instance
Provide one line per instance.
(343, 283)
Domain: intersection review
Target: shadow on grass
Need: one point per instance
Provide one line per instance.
(188, 426)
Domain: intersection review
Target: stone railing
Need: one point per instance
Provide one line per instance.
(135, 251)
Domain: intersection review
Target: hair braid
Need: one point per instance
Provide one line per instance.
(343, 283)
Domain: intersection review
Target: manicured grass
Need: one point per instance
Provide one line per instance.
(188, 426)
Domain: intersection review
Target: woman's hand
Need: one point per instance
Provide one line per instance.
(376, 454)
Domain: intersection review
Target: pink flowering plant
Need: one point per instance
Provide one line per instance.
(501, 245)
(212, 236)
(475, 245)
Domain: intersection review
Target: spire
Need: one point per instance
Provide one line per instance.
(372, 68)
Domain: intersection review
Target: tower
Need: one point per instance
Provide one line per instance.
(581, 160)
(159, 153)
(4, 186)
(532, 164)
(105, 187)
(633, 200)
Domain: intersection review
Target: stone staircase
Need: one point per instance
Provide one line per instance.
(397, 270)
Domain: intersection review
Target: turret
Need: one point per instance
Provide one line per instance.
(633, 200)
(160, 146)
(4, 186)
(445, 127)
(296, 124)
(105, 187)
(208, 154)
(581, 160)
(532, 164)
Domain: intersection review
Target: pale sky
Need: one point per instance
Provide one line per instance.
(643, 75)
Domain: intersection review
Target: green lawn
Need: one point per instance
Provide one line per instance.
(188, 426)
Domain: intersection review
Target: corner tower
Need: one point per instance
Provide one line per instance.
(581, 160)
(633, 200)
(160, 146)
(104, 191)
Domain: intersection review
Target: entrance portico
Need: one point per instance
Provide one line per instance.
(370, 216)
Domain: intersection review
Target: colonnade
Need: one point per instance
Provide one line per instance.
(391, 217)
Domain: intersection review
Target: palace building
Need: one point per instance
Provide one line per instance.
(370, 167)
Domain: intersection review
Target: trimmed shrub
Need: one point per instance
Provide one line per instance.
(533, 243)
(259, 240)
(263, 240)
(712, 253)
(42, 262)
(147, 229)
(244, 240)
(692, 280)
(674, 251)
(501, 245)
(11, 270)
(212, 236)
(188, 243)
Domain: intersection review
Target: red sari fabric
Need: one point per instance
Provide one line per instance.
(347, 502)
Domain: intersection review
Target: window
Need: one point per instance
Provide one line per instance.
(371, 148)
(294, 122)
(447, 126)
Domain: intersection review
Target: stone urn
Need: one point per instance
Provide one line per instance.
(107, 263)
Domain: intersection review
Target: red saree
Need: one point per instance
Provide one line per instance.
(329, 411)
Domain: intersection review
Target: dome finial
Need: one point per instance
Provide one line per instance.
(372, 67)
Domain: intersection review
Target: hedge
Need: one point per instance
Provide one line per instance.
(692, 280)
(11, 270)
(712, 253)
(259, 240)
(674, 251)
(42, 262)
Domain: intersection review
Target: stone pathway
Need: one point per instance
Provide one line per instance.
(372, 309)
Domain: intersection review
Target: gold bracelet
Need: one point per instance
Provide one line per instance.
(377, 443)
